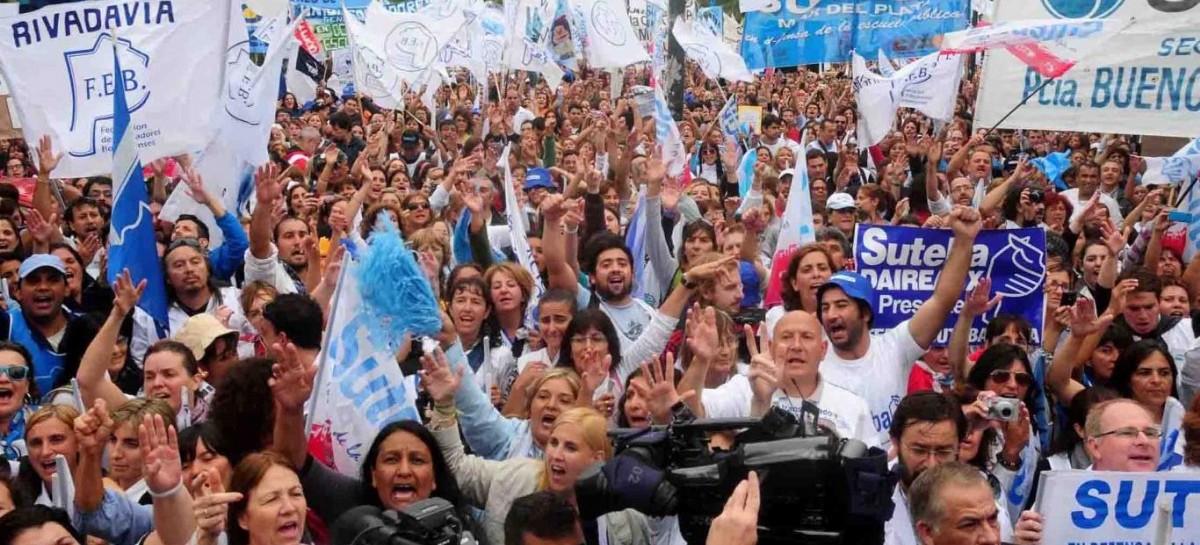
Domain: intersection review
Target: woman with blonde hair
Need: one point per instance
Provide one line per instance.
(578, 439)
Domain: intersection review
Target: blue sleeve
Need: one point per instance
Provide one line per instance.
(118, 520)
(227, 259)
(486, 431)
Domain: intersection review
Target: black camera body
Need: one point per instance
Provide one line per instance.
(816, 488)
(428, 522)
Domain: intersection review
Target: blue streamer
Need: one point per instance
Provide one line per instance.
(394, 291)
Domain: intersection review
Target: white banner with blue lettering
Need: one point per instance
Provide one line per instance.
(799, 32)
(1144, 80)
(59, 64)
(1086, 507)
(903, 264)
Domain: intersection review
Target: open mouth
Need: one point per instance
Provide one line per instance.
(639, 421)
(403, 493)
(557, 472)
(616, 281)
(290, 530)
(548, 421)
(6, 394)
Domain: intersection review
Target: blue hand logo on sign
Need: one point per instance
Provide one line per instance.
(1082, 9)
(90, 74)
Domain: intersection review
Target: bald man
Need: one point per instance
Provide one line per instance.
(784, 373)
(1122, 436)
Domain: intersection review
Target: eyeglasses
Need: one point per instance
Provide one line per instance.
(416, 206)
(15, 372)
(1023, 379)
(1131, 432)
(941, 453)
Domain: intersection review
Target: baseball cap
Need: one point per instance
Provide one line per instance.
(348, 91)
(538, 177)
(855, 285)
(200, 331)
(840, 201)
(787, 172)
(410, 139)
(38, 261)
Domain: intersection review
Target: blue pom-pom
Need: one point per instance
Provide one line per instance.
(393, 288)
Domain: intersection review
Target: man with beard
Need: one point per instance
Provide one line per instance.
(928, 428)
(283, 262)
(55, 337)
(191, 287)
(86, 219)
(876, 367)
(228, 258)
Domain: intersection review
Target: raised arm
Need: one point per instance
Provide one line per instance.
(976, 303)
(1068, 355)
(554, 244)
(43, 196)
(174, 521)
(291, 385)
(924, 326)
(92, 430)
(94, 382)
(268, 190)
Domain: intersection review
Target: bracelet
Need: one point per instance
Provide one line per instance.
(570, 231)
(445, 410)
(173, 491)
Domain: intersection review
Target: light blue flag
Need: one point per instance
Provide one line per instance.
(131, 243)
(1053, 165)
(746, 173)
(635, 239)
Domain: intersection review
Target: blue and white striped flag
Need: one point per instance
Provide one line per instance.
(1192, 205)
(131, 243)
(667, 134)
(728, 118)
(746, 173)
(635, 239)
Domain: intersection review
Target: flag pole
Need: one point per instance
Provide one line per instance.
(325, 345)
(1019, 104)
(1183, 196)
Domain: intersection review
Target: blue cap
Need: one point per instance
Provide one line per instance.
(855, 285)
(539, 177)
(348, 90)
(38, 261)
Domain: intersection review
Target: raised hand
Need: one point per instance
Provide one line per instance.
(738, 522)
(47, 159)
(719, 269)
(161, 466)
(267, 185)
(40, 230)
(195, 187)
(1120, 292)
(553, 209)
(1083, 318)
(93, 428)
(88, 248)
(764, 374)
(1113, 239)
(965, 222)
(439, 380)
(977, 301)
(661, 394)
(211, 506)
(532, 372)
(126, 295)
(702, 336)
(474, 202)
(291, 380)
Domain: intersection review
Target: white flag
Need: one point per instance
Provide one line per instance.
(373, 76)
(885, 65)
(1049, 46)
(58, 62)
(527, 45)
(716, 59)
(514, 214)
(747, 6)
(359, 388)
(929, 85)
(611, 40)
(248, 96)
(1171, 170)
(465, 48)
(413, 42)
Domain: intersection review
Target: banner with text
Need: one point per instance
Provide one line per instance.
(325, 16)
(1115, 507)
(903, 264)
(814, 31)
(1144, 80)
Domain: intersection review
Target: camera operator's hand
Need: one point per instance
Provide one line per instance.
(738, 522)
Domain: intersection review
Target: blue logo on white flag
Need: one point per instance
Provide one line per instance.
(1081, 9)
(93, 84)
(131, 240)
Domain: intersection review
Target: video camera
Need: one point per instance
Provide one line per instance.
(816, 488)
(428, 522)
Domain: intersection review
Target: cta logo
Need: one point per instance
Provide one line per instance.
(1082, 9)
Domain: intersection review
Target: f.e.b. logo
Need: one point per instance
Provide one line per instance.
(93, 82)
(1081, 9)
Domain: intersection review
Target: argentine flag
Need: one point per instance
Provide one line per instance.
(131, 243)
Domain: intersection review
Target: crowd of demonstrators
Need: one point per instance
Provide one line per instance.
(198, 435)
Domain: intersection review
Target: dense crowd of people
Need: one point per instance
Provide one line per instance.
(517, 400)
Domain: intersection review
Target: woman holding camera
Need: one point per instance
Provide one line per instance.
(578, 439)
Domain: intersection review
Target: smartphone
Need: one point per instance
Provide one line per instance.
(1182, 217)
(1069, 298)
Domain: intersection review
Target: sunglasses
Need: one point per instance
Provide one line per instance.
(15, 372)
(416, 206)
(1001, 376)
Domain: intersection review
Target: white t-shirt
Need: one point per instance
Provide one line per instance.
(840, 409)
(520, 117)
(630, 320)
(1072, 196)
(880, 376)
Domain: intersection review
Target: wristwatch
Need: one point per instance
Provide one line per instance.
(687, 283)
